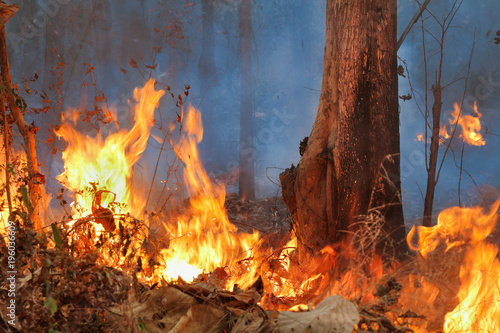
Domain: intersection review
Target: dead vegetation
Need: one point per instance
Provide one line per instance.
(69, 280)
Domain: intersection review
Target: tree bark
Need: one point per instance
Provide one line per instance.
(246, 148)
(35, 179)
(351, 164)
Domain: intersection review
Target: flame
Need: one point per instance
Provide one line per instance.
(470, 126)
(203, 238)
(479, 292)
(443, 132)
(92, 165)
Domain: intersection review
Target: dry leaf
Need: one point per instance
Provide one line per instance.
(333, 314)
(201, 318)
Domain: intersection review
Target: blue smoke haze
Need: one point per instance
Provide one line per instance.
(288, 45)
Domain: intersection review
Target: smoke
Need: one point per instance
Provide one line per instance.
(121, 38)
(472, 25)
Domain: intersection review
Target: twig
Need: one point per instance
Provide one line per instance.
(413, 20)
(156, 169)
(460, 177)
(461, 106)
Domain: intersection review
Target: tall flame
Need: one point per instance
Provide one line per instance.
(107, 165)
(203, 238)
(479, 294)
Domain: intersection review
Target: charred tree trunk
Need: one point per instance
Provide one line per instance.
(35, 179)
(351, 164)
(246, 149)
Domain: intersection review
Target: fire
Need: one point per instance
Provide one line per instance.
(203, 238)
(479, 293)
(93, 164)
(470, 125)
(443, 132)
(100, 173)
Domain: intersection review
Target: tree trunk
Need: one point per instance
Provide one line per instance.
(246, 149)
(208, 76)
(431, 170)
(350, 167)
(35, 179)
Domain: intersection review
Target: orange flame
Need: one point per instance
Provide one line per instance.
(91, 165)
(479, 294)
(443, 132)
(203, 238)
(470, 126)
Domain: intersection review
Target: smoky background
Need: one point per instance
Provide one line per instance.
(200, 44)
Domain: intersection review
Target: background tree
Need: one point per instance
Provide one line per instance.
(246, 149)
(208, 72)
(350, 167)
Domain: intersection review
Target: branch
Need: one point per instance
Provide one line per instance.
(413, 20)
(27, 131)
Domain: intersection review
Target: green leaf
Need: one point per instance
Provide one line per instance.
(57, 235)
(142, 325)
(26, 199)
(54, 331)
(51, 304)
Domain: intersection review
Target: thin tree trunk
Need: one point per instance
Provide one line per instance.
(246, 149)
(351, 163)
(35, 179)
(208, 74)
(431, 172)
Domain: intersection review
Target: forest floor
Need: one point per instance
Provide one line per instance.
(58, 290)
(64, 287)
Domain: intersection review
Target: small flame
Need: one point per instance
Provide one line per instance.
(443, 132)
(470, 126)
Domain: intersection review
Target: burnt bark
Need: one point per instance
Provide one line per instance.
(246, 149)
(350, 167)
